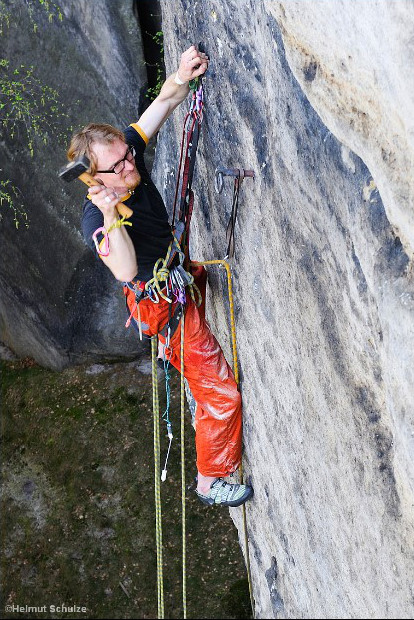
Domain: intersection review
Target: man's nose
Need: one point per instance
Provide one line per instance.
(130, 164)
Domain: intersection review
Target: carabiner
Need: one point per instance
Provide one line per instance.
(105, 250)
(153, 295)
(181, 298)
(218, 181)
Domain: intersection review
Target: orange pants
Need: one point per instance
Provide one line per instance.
(218, 416)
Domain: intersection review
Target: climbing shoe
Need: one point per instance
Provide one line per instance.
(225, 494)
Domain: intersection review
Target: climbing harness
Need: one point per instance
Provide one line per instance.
(167, 282)
(239, 175)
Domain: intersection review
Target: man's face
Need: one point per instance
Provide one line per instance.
(108, 155)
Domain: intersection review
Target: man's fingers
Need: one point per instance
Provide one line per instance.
(202, 69)
(198, 60)
(190, 52)
(200, 55)
(95, 189)
(195, 62)
(103, 197)
(110, 197)
(104, 192)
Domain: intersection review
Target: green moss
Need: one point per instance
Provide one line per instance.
(78, 518)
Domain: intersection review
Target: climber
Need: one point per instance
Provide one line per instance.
(130, 248)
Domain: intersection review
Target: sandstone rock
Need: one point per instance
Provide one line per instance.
(324, 287)
(316, 97)
(354, 63)
(59, 305)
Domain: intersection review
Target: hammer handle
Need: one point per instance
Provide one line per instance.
(89, 180)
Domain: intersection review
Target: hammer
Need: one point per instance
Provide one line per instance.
(78, 170)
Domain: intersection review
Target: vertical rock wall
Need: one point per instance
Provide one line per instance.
(58, 303)
(323, 278)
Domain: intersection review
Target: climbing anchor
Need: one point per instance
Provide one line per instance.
(238, 173)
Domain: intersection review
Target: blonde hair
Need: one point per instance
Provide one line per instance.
(82, 142)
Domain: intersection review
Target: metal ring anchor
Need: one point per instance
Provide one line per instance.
(224, 172)
(238, 173)
(218, 181)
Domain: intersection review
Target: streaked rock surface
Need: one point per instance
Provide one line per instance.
(316, 97)
(323, 279)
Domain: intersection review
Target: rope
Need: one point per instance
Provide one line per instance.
(161, 273)
(236, 377)
(183, 487)
(231, 303)
(158, 522)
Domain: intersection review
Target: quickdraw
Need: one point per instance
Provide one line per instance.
(188, 152)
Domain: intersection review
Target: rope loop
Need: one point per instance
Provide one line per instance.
(160, 274)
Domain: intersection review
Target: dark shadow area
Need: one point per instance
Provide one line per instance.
(149, 19)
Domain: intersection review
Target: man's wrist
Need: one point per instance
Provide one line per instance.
(111, 220)
(178, 80)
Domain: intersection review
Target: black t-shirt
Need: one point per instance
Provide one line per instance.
(150, 231)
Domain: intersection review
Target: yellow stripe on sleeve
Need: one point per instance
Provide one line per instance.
(140, 131)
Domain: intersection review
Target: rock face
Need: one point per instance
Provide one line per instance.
(59, 304)
(316, 97)
(361, 86)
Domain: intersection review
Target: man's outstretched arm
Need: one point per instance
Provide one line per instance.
(193, 63)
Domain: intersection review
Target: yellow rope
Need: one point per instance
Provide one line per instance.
(182, 395)
(232, 319)
(118, 224)
(161, 275)
(236, 376)
(158, 522)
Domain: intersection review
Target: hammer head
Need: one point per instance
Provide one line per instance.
(74, 169)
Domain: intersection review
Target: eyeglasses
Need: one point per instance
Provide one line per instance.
(120, 165)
